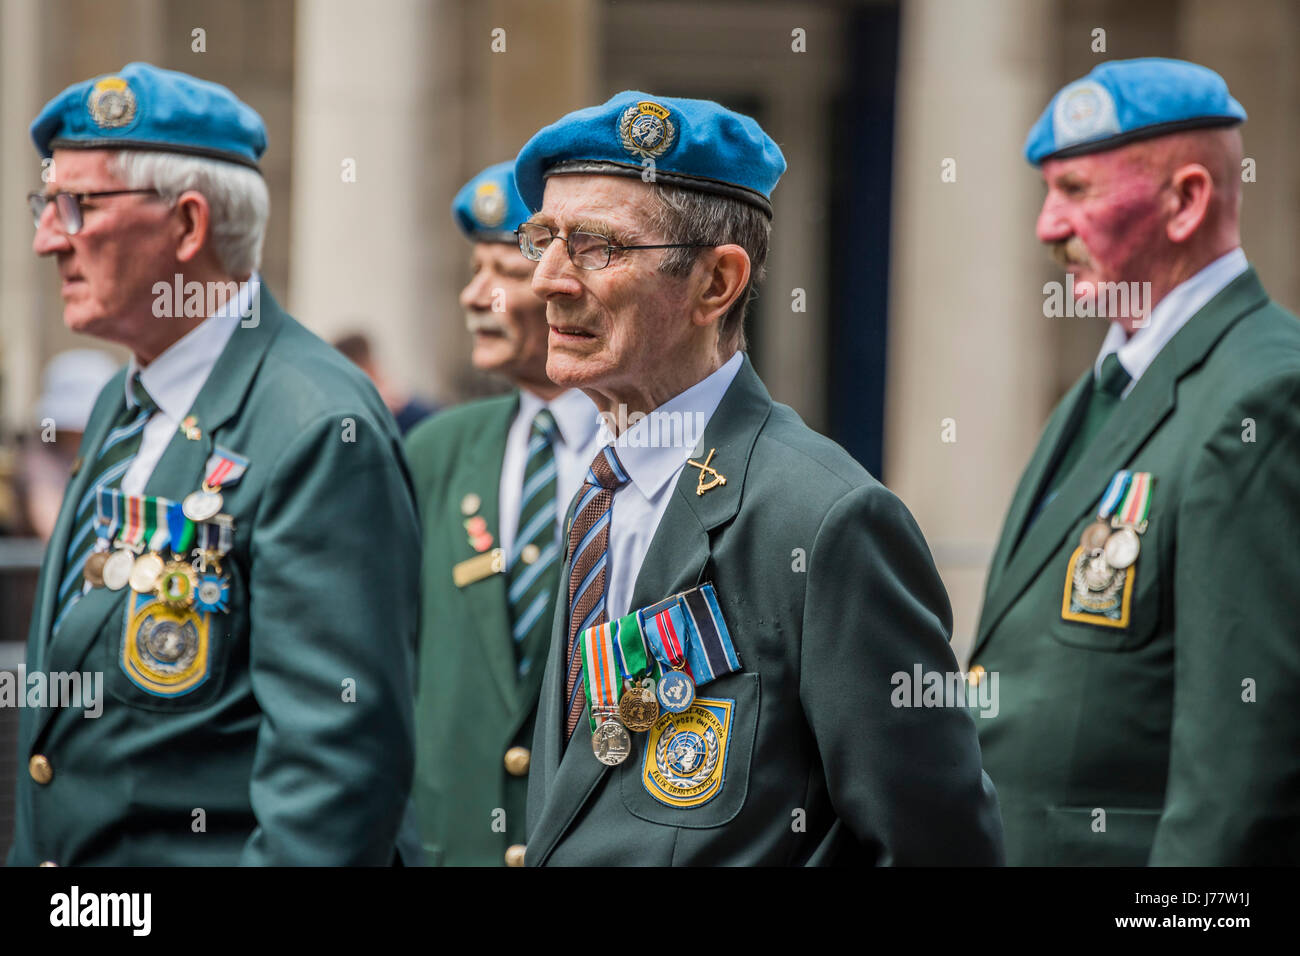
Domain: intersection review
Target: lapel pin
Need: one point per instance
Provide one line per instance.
(190, 428)
(718, 477)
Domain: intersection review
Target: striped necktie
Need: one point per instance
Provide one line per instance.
(114, 458)
(589, 556)
(533, 574)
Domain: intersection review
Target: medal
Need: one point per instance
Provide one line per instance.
(638, 708)
(148, 567)
(117, 569)
(211, 590)
(676, 691)
(1094, 536)
(120, 564)
(223, 467)
(107, 517)
(212, 594)
(94, 570)
(145, 572)
(203, 505)
(176, 585)
(1122, 548)
(611, 743)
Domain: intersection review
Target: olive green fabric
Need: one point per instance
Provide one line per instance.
(1134, 745)
(472, 705)
(298, 746)
(828, 590)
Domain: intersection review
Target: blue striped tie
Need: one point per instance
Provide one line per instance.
(588, 569)
(114, 458)
(533, 573)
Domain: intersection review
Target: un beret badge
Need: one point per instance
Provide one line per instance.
(647, 130)
(1084, 110)
(111, 104)
(489, 205)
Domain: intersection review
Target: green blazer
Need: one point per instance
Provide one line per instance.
(1151, 723)
(297, 745)
(828, 589)
(472, 704)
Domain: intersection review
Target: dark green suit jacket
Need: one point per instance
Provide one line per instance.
(284, 767)
(1156, 723)
(828, 590)
(472, 705)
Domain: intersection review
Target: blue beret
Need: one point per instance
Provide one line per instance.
(695, 144)
(143, 107)
(1122, 101)
(489, 208)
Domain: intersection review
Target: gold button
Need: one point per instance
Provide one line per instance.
(47, 863)
(40, 768)
(515, 855)
(975, 675)
(517, 760)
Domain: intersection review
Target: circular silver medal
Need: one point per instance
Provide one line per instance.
(117, 569)
(202, 505)
(611, 743)
(1122, 548)
(145, 573)
(676, 691)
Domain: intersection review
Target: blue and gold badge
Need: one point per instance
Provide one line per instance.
(111, 103)
(646, 129)
(489, 204)
(164, 649)
(686, 754)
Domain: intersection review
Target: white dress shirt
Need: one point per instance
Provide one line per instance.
(174, 380)
(640, 504)
(577, 420)
(1138, 351)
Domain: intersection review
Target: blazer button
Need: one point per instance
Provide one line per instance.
(517, 761)
(40, 769)
(975, 675)
(515, 855)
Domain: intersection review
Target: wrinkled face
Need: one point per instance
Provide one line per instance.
(624, 326)
(507, 321)
(1103, 217)
(126, 244)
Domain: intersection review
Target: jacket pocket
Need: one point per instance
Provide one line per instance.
(1136, 610)
(692, 769)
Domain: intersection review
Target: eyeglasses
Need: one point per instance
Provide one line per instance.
(68, 205)
(587, 250)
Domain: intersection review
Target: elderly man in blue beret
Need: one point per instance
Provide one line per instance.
(235, 560)
(743, 602)
(1142, 603)
(492, 479)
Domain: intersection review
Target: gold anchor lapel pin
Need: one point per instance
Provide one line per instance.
(718, 478)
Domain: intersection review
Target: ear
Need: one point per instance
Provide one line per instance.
(724, 277)
(194, 220)
(1191, 187)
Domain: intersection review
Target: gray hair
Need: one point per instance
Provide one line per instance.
(237, 196)
(685, 215)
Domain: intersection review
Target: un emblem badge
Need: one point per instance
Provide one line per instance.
(111, 103)
(489, 205)
(686, 754)
(647, 130)
(164, 649)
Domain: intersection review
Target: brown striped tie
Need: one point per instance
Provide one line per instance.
(589, 556)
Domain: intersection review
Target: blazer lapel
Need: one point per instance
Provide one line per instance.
(1151, 400)
(481, 473)
(677, 560)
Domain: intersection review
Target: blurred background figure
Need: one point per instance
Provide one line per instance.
(69, 385)
(408, 410)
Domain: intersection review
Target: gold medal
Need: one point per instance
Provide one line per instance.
(638, 708)
(94, 569)
(1094, 536)
(145, 572)
(177, 584)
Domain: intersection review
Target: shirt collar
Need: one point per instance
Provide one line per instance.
(650, 463)
(175, 378)
(1138, 351)
(575, 415)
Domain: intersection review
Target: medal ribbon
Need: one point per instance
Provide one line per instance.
(180, 528)
(156, 531)
(1114, 491)
(107, 518)
(667, 634)
(133, 522)
(1137, 504)
(224, 467)
(710, 651)
(600, 670)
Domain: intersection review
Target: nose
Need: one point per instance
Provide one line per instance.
(555, 273)
(1052, 224)
(50, 237)
(477, 296)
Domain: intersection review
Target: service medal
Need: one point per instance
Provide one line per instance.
(202, 505)
(94, 569)
(212, 594)
(676, 691)
(1122, 548)
(145, 572)
(176, 585)
(1094, 536)
(117, 569)
(638, 708)
(611, 743)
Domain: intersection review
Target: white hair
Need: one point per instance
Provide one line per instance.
(237, 196)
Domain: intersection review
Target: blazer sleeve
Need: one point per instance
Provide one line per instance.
(333, 615)
(908, 781)
(1233, 791)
